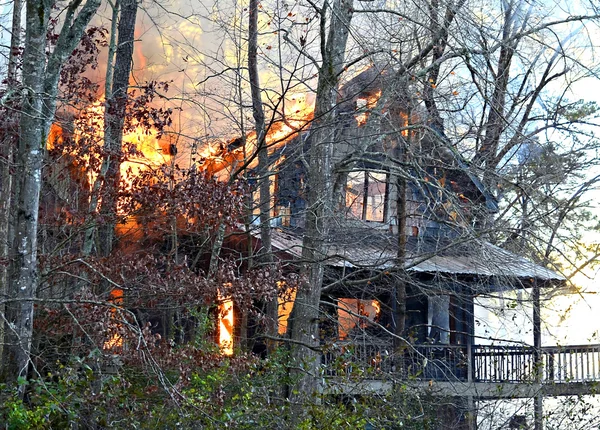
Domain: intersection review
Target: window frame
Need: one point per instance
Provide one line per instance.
(365, 196)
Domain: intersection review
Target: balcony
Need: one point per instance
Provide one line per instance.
(483, 371)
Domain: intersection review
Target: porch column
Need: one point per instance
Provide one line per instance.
(538, 409)
(439, 312)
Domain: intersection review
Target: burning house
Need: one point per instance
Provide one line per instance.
(407, 255)
(394, 179)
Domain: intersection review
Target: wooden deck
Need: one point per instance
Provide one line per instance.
(481, 371)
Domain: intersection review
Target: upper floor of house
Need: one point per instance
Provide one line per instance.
(384, 151)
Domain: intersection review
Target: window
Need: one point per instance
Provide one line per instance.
(355, 315)
(366, 196)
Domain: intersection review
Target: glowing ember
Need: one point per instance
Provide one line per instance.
(404, 123)
(226, 325)
(115, 341)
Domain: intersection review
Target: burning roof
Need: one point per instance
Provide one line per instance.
(357, 99)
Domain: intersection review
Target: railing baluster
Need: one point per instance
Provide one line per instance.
(593, 364)
(587, 366)
(593, 360)
(561, 366)
(570, 367)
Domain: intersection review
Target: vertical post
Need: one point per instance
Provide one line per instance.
(469, 361)
(472, 412)
(537, 356)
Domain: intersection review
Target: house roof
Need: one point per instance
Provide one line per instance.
(375, 248)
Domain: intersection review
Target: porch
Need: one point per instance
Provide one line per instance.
(482, 371)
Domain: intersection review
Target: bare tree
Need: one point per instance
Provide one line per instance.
(40, 83)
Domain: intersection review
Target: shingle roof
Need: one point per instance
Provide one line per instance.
(377, 249)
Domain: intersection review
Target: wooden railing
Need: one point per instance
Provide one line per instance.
(376, 358)
(477, 363)
(558, 364)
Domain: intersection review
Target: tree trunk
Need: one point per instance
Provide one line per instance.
(7, 148)
(399, 298)
(303, 323)
(15, 41)
(91, 230)
(265, 254)
(114, 118)
(40, 79)
(29, 162)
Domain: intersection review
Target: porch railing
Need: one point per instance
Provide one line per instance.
(557, 364)
(477, 363)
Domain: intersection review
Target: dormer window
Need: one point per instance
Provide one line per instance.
(366, 196)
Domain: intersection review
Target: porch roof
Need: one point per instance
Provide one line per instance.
(375, 248)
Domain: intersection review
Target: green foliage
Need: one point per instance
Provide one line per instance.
(579, 110)
(75, 396)
(246, 393)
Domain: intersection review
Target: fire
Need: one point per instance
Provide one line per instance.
(152, 151)
(377, 308)
(54, 136)
(286, 303)
(364, 106)
(354, 315)
(404, 123)
(115, 340)
(226, 325)
(222, 158)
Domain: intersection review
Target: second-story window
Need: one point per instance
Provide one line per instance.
(366, 196)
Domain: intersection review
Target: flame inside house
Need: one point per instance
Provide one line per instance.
(222, 158)
(364, 105)
(115, 340)
(355, 315)
(226, 325)
(285, 304)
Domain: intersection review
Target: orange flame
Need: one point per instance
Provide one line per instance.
(115, 340)
(364, 106)
(356, 314)
(153, 152)
(226, 325)
(286, 303)
(222, 158)
(377, 306)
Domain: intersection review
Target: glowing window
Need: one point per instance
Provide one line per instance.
(286, 303)
(354, 315)
(226, 325)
